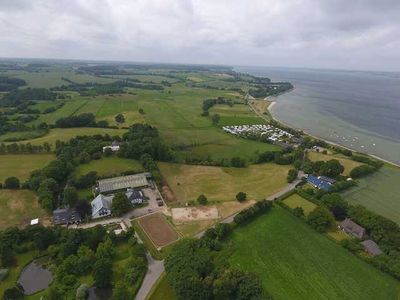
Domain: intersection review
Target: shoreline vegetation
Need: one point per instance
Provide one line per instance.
(273, 103)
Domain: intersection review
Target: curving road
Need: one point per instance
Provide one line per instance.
(156, 267)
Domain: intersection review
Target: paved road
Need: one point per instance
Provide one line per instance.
(154, 271)
(156, 268)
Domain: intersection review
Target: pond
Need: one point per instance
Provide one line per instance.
(35, 278)
(96, 293)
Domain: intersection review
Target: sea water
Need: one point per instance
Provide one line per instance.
(357, 109)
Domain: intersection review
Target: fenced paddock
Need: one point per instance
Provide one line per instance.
(158, 230)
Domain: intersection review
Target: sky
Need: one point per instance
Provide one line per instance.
(336, 34)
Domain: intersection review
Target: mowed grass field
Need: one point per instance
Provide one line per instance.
(295, 262)
(295, 200)
(109, 166)
(379, 192)
(348, 164)
(65, 134)
(18, 207)
(238, 114)
(222, 184)
(20, 165)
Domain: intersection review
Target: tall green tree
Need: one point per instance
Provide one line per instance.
(120, 204)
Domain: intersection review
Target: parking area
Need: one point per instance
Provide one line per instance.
(155, 203)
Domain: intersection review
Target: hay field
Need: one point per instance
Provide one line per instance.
(222, 184)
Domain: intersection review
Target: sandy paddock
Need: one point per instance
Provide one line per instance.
(188, 214)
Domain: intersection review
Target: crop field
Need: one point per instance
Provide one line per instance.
(70, 108)
(222, 184)
(295, 262)
(65, 134)
(158, 230)
(296, 200)
(379, 192)
(18, 207)
(348, 164)
(54, 77)
(108, 166)
(20, 165)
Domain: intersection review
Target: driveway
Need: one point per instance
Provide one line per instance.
(154, 271)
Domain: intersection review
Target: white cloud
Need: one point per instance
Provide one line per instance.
(341, 34)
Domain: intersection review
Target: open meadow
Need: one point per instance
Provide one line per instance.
(65, 134)
(222, 184)
(296, 200)
(379, 192)
(108, 166)
(20, 165)
(348, 164)
(18, 207)
(295, 262)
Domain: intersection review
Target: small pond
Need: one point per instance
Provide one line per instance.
(35, 278)
(99, 294)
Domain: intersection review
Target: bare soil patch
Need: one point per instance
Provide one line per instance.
(168, 194)
(189, 214)
(159, 231)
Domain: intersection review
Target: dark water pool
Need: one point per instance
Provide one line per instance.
(35, 278)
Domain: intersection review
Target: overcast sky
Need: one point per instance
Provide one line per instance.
(343, 34)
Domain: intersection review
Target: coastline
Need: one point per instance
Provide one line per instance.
(328, 141)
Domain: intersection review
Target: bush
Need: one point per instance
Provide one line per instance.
(361, 171)
(321, 219)
(292, 175)
(202, 199)
(250, 213)
(12, 183)
(241, 196)
(298, 212)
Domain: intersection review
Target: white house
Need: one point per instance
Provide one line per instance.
(101, 206)
(114, 147)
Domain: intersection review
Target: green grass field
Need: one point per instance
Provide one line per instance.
(238, 114)
(348, 164)
(108, 166)
(295, 262)
(162, 290)
(379, 192)
(222, 184)
(65, 134)
(18, 207)
(295, 200)
(20, 165)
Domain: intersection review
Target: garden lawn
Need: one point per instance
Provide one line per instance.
(108, 166)
(20, 165)
(18, 208)
(348, 164)
(222, 184)
(295, 262)
(296, 200)
(379, 192)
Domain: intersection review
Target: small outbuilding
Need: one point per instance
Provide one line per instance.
(350, 227)
(371, 247)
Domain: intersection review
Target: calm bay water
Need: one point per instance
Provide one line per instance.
(359, 110)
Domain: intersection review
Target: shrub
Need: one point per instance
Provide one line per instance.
(12, 183)
(321, 219)
(241, 196)
(202, 199)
